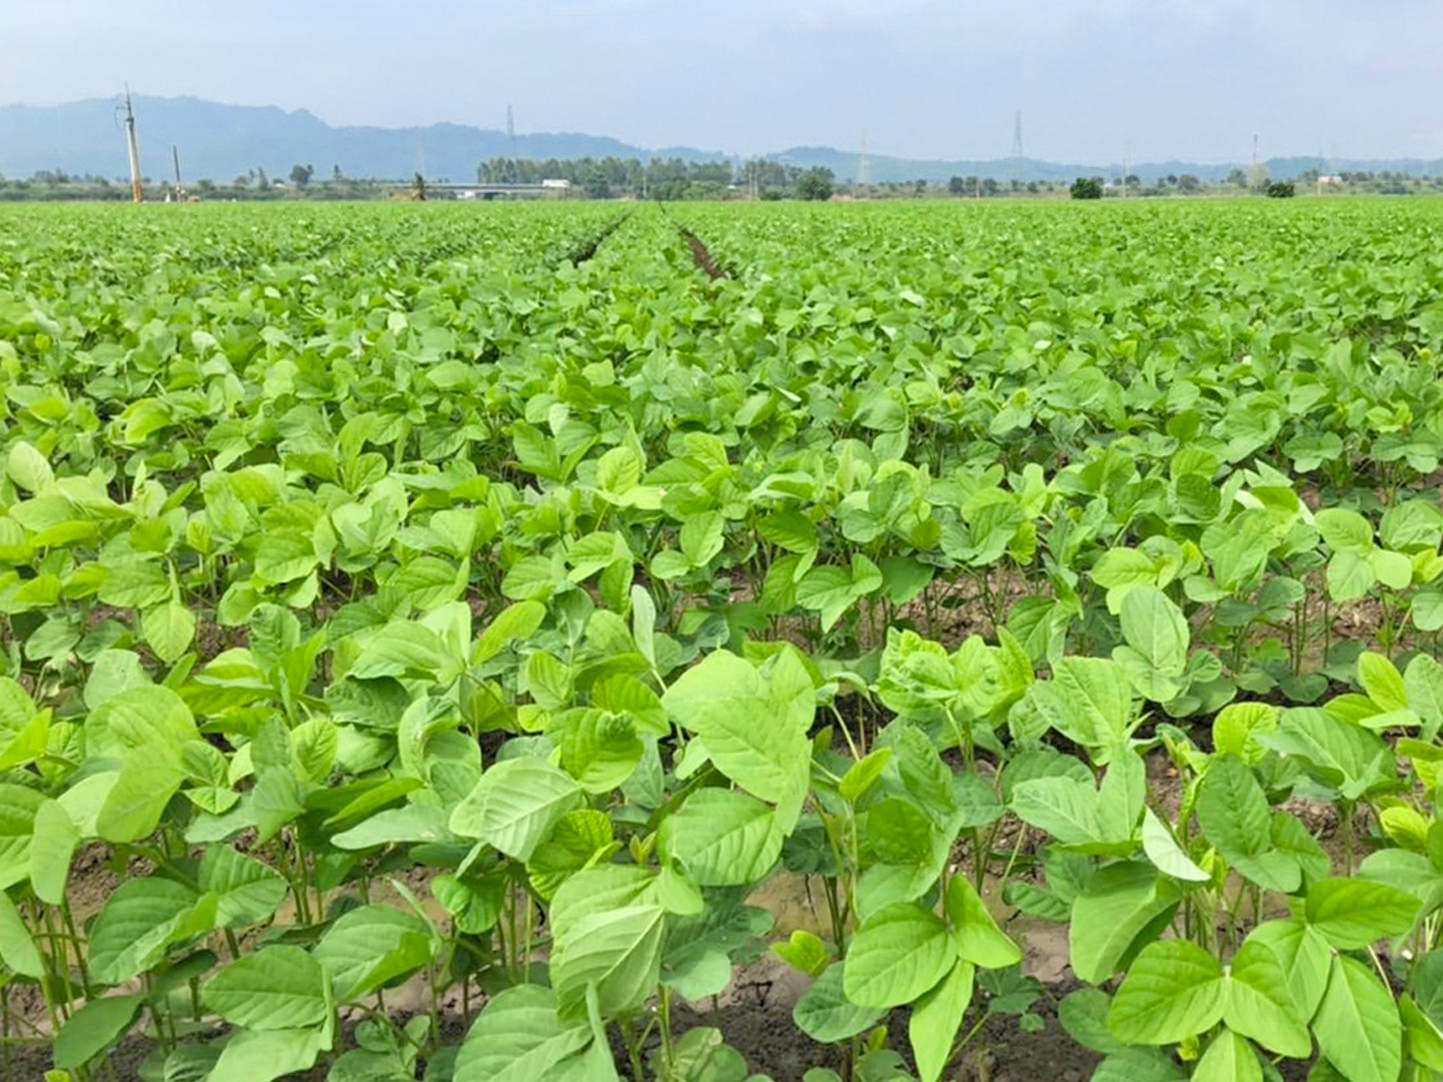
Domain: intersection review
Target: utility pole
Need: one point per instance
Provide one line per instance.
(511, 141)
(175, 159)
(133, 148)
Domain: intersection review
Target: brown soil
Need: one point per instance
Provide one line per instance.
(702, 257)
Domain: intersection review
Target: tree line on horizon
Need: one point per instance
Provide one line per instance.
(672, 179)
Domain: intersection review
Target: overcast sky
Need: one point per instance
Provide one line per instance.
(1094, 79)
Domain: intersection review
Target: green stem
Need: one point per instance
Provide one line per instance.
(633, 1051)
(1348, 840)
(834, 913)
(664, 1007)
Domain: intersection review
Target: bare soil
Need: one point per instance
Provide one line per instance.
(702, 257)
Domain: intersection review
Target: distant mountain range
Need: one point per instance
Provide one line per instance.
(219, 142)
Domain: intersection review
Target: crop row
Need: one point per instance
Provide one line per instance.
(402, 608)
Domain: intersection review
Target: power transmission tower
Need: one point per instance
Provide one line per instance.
(133, 149)
(1256, 172)
(1017, 152)
(864, 167)
(511, 142)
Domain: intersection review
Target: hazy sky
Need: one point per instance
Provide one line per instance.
(923, 78)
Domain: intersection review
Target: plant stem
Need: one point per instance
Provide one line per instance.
(633, 1051)
(664, 1008)
(1347, 827)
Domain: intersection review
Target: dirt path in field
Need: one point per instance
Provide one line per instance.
(703, 258)
(586, 249)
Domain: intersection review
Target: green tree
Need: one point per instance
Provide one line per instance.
(301, 174)
(815, 184)
(1087, 188)
(595, 184)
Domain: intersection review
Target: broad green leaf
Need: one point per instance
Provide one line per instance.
(1083, 1014)
(1345, 531)
(803, 951)
(825, 1014)
(23, 729)
(1233, 814)
(1423, 1041)
(277, 987)
(1063, 807)
(53, 844)
(1173, 990)
(1305, 958)
(28, 469)
(977, 936)
(755, 733)
(579, 839)
(1260, 1003)
(284, 556)
(1354, 913)
(1337, 752)
(265, 1055)
(936, 1019)
(1089, 701)
(515, 805)
(1157, 640)
(113, 671)
(370, 946)
(94, 1028)
(135, 804)
(17, 948)
(901, 952)
(247, 891)
(1425, 981)
(723, 838)
(518, 1038)
(1139, 1065)
(400, 650)
(1121, 904)
(616, 951)
(140, 919)
(412, 823)
(518, 621)
(1234, 727)
(1228, 1059)
(600, 750)
(1350, 576)
(1423, 688)
(149, 719)
(1357, 1024)
(862, 774)
(1381, 681)
(1164, 852)
(168, 629)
